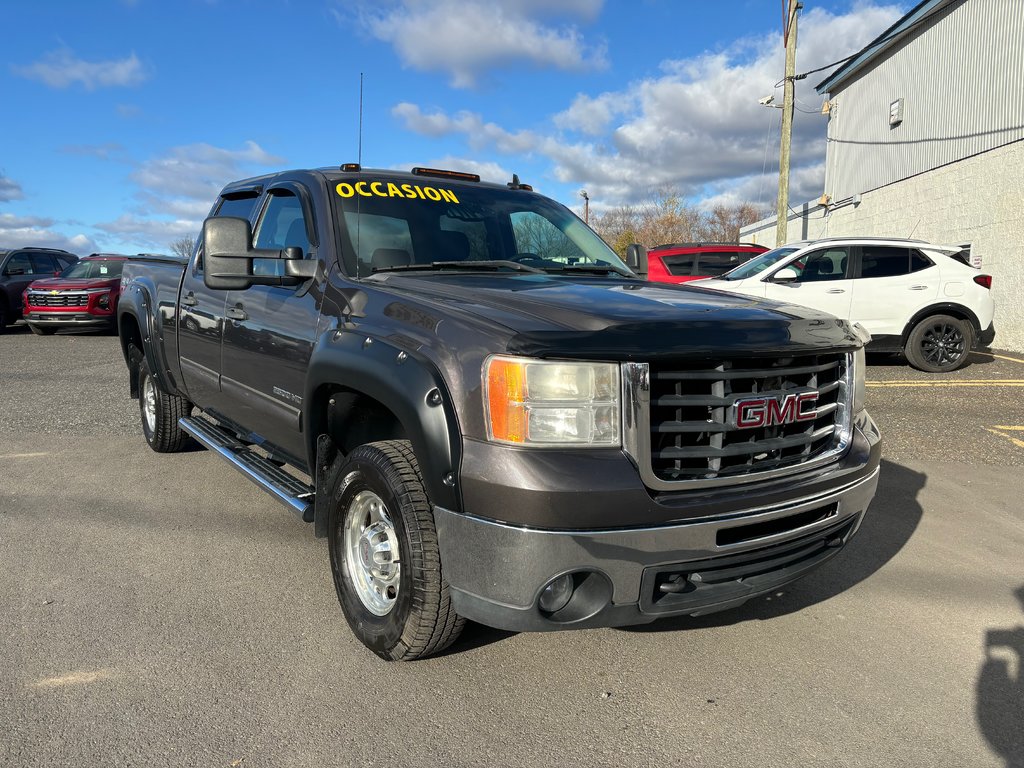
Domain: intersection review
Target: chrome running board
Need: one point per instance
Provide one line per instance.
(287, 489)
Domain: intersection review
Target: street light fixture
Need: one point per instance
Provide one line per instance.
(586, 206)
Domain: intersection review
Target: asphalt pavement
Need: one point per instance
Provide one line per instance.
(160, 610)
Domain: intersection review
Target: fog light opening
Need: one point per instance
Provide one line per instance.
(556, 594)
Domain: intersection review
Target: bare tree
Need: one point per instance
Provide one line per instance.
(184, 246)
(665, 218)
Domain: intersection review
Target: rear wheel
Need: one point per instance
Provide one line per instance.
(4, 318)
(939, 344)
(384, 555)
(160, 413)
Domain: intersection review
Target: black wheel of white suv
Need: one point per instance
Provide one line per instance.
(384, 555)
(939, 344)
(160, 413)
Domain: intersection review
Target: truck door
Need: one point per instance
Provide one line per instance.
(824, 282)
(269, 331)
(201, 316)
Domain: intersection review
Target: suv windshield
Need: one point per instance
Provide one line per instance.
(393, 224)
(759, 263)
(95, 269)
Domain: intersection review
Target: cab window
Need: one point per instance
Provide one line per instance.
(282, 225)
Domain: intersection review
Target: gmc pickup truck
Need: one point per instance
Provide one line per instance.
(489, 415)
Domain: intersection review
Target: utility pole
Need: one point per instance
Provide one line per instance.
(789, 38)
(586, 206)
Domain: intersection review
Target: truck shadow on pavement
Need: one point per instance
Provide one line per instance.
(891, 520)
(1000, 692)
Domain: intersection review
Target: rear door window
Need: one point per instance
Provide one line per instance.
(714, 263)
(890, 261)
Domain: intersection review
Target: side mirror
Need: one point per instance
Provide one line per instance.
(786, 275)
(636, 259)
(228, 255)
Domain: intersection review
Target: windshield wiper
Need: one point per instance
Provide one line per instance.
(594, 269)
(459, 265)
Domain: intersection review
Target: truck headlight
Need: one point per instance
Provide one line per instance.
(548, 403)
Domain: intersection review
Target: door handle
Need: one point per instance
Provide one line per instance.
(189, 299)
(237, 313)
(835, 290)
(919, 287)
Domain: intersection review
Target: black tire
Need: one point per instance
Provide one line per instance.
(939, 344)
(415, 618)
(41, 331)
(4, 317)
(160, 427)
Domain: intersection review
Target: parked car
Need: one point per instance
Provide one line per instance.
(682, 262)
(18, 268)
(84, 295)
(911, 296)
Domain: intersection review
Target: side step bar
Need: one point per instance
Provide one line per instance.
(266, 474)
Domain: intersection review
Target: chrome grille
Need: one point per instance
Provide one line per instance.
(693, 434)
(40, 299)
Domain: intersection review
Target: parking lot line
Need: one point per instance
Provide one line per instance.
(949, 383)
(1001, 357)
(1011, 438)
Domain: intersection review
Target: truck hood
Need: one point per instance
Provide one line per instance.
(624, 319)
(73, 284)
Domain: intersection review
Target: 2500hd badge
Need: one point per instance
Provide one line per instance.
(489, 415)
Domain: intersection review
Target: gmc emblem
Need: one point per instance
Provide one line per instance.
(754, 412)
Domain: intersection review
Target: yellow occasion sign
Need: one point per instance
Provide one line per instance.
(388, 189)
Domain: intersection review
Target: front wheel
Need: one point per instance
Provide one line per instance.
(384, 555)
(160, 413)
(939, 344)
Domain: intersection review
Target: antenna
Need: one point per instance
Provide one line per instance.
(360, 161)
(360, 154)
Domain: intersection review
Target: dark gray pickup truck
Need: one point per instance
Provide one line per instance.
(489, 415)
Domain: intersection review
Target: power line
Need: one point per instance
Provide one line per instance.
(882, 39)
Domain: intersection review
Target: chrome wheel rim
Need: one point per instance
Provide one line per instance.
(149, 404)
(943, 344)
(371, 546)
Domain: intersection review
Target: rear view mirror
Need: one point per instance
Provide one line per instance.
(636, 258)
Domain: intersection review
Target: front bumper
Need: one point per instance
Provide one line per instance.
(497, 571)
(68, 319)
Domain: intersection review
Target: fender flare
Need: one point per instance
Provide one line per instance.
(138, 306)
(404, 382)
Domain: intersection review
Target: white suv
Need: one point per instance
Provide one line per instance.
(907, 294)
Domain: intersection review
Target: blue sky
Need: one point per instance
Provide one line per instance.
(123, 118)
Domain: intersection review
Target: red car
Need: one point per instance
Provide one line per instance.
(682, 262)
(84, 295)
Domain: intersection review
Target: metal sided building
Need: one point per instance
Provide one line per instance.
(926, 140)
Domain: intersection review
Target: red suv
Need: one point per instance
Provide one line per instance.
(84, 295)
(682, 262)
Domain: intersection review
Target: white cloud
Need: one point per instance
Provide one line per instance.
(21, 231)
(9, 189)
(696, 127)
(61, 68)
(176, 190)
(467, 38)
(101, 151)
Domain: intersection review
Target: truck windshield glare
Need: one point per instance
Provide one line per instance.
(394, 225)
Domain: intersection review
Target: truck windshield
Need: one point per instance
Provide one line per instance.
(758, 264)
(391, 225)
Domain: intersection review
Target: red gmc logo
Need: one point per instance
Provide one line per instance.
(754, 412)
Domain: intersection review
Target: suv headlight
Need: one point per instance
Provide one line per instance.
(548, 403)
